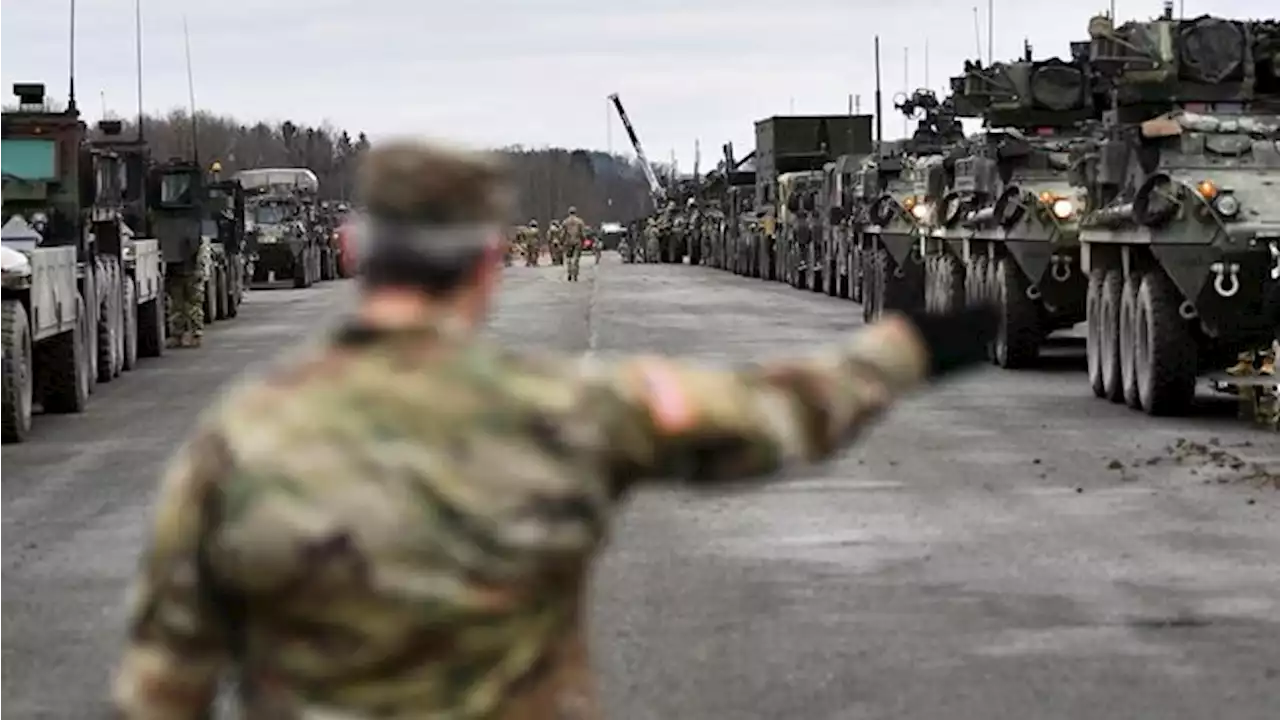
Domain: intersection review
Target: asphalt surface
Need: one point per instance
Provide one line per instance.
(1004, 546)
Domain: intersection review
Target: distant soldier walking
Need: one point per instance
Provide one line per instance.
(575, 232)
(555, 241)
(399, 521)
(532, 244)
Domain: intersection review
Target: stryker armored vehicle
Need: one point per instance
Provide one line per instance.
(903, 183)
(798, 227)
(839, 257)
(284, 242)
(789, 144)
(1182, 238)
(1007, 232)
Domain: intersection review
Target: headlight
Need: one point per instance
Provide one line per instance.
(920, 211)
(1062, 208)
(1227, 205)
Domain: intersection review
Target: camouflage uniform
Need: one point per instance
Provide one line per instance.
(532, 244)
(574, 233)
(555, 238)
(184, 301)
(652, 242)
(400, 521)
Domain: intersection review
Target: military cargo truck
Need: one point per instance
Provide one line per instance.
(51, 264)
(1182, 238)
(797, 143)
(1007, 232)
(143, 262)
(284, 240)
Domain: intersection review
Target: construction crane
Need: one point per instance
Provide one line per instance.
(655, 188)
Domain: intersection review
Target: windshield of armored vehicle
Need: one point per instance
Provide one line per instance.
(270, 214)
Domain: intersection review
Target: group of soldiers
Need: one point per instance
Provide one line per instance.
(672, 233)
(566, 239)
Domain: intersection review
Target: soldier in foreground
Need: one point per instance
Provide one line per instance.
(399, 521)
(574, 232)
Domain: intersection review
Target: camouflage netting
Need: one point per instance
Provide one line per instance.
(1260, 127)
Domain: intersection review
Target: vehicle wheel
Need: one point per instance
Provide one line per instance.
(1018, 338)
(302, 271)
(1112, 294)
(109, 326)
(1129, 340)
(1166, 351)
(1094, 331)
(151, 327)
(883, 276)
(18, 385)
(976, 286)
(130, 360)
(951, 288)
(64, 366)
(930, 285)
(210, 300)
(856, 272)
(231, 300)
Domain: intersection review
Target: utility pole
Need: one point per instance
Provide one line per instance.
(991, 30)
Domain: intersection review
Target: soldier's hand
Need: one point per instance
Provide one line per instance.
(956, 340)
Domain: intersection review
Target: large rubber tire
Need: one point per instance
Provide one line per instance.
(1166, 351)
(1018, 338)
(1112, 294)
(1129, 340)
(951, 284)
(231, 297)
(130, 324)
(302, 271)
(151, 327)
(110, 329)
(1093, 343)
(63, 363)
(18, 385)
(210, 299)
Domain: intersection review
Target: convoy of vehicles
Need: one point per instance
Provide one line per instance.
(93, 229)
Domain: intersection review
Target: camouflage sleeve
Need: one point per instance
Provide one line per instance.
(176, 644)
(670, 419)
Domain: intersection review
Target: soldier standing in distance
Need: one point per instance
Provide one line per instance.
(555, 238)
(532, 244)
(399, 521)
(574, 233)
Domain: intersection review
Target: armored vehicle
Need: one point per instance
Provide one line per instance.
(840, 258)
(902, 184)
(284, 241)
(798, 228)
(1182, 237)
(788, 144)
(1007, 232)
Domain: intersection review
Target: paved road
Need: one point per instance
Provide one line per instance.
(1003, 547)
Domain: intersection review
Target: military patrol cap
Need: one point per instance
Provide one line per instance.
(428, 196)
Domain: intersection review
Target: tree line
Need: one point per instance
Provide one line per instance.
(602, 186)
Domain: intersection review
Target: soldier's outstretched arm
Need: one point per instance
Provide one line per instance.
(177, 642)
(672, 419)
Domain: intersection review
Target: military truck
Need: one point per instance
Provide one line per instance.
(1007, 232)
(144, 335)
(1182, 237)
(284, 240)
(795, 143)
(223, 223)
(57, 272)
(902, 184)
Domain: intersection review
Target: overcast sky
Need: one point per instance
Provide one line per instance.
(533, 72)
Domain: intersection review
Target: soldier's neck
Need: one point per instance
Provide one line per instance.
(394, 309)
